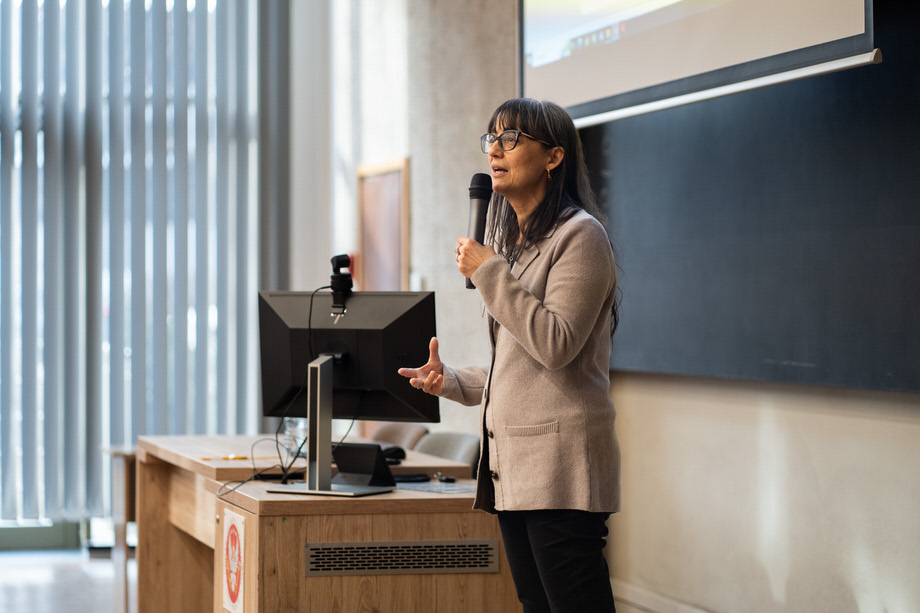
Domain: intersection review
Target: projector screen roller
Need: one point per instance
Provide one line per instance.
(593, 56)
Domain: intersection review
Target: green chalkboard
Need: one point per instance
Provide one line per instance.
(775, 234)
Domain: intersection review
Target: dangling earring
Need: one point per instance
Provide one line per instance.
(549, 176)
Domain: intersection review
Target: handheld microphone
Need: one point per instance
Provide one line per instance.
(480, 194)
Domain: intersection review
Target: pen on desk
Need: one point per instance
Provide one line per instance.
(238, 457)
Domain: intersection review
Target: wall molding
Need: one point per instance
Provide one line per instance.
(647, 601)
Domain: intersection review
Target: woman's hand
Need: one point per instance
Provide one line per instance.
(471, 255)
(430, 377)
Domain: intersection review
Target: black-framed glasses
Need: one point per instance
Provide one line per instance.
(508, 140)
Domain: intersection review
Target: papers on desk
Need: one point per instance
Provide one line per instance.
(438, 486)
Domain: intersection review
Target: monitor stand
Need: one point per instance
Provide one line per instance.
(319, 442)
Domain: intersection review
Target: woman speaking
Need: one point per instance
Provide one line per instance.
(550, 460)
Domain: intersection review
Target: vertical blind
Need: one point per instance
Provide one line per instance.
(128, 236)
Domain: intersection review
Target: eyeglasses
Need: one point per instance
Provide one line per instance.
(508, 140)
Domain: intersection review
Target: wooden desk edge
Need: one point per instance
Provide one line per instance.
(149, 450)
(255, 498)
(208, 461)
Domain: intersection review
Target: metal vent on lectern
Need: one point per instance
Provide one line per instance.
(402, 557)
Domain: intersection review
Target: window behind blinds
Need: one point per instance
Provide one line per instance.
(128, 236)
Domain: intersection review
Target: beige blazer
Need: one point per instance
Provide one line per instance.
(547, 418)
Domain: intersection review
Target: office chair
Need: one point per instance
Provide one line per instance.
(458, 446)
(405, 435)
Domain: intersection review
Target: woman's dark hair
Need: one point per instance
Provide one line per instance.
(569, 188)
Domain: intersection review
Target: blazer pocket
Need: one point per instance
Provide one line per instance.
(535, 430)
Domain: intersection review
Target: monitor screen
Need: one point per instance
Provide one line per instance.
(378, 333)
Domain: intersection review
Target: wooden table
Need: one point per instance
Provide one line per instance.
(397, 552)
(123, 497)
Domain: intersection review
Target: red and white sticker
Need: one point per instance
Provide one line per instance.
(233, 541)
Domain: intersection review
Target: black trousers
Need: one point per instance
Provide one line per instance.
(557, 560)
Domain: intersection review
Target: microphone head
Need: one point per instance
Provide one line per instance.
(481, 186)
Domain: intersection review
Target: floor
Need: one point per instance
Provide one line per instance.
(59, 581)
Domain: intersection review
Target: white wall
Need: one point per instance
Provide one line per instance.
(418, 81)
(737, 496)
(311, 135)
(455, 83)
(765, 497)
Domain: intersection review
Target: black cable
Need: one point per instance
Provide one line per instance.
(286, 469)
(310, 320)
(221, 491)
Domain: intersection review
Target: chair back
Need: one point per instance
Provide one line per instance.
(457, 446)
(405, 435)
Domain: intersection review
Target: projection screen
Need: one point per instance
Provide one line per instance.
(597, 56)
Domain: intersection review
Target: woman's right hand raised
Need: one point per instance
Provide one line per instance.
(430, 377)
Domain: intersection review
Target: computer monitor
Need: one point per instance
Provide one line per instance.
(378, 333)
(325, 356)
